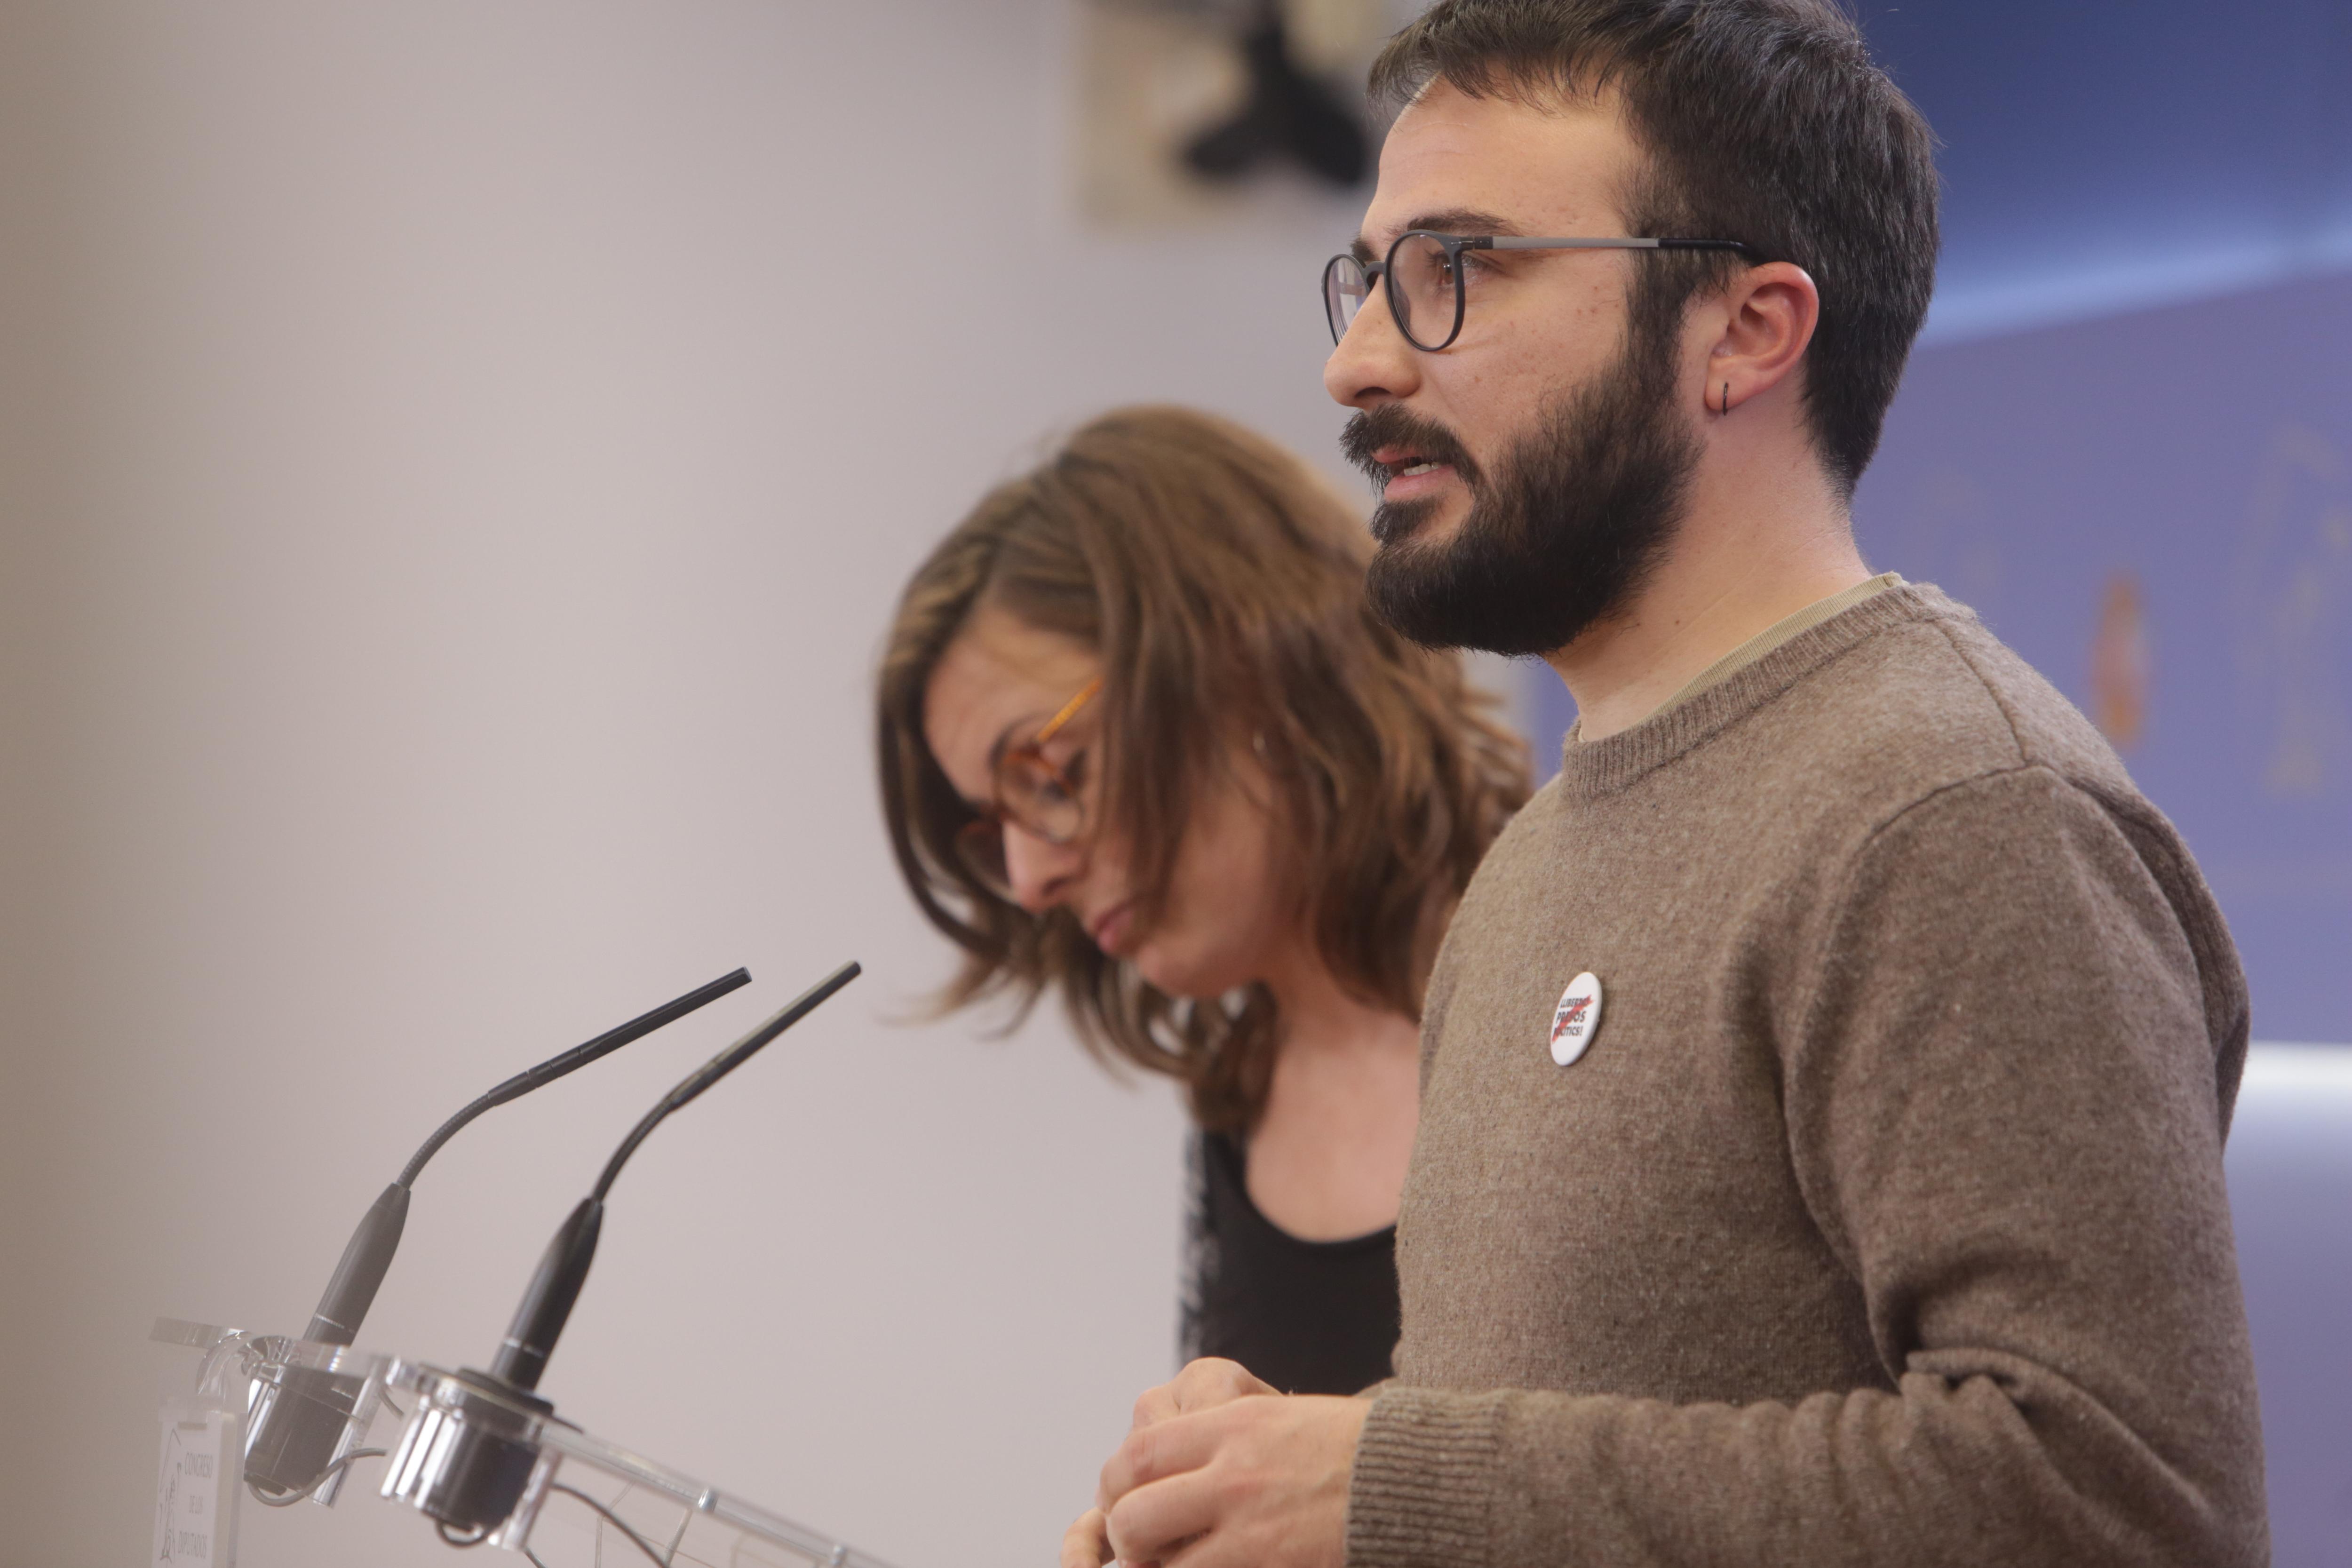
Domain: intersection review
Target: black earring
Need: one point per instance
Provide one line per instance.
(1727, 397)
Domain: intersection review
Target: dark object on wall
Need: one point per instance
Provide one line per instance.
(1287, 113)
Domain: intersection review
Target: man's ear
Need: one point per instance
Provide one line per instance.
(1768, 316)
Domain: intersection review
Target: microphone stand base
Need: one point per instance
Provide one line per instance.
(470, 1457)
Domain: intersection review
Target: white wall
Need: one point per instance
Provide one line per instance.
(459, 457)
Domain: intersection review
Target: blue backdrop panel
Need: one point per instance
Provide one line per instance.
(2169, 495)
(2166, 499)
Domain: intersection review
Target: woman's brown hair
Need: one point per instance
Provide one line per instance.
(1221, 583)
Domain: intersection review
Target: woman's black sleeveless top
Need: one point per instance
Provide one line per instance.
(1309, 1317)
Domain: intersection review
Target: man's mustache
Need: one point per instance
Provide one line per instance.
(1392, 424)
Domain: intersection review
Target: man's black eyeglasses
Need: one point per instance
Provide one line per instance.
(1422, 272)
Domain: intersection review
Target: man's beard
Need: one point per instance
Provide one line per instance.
(1567, 528)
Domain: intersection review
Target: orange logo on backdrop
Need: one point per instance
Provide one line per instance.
(2119, 664)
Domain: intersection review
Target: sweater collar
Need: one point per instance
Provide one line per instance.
(1606, 767)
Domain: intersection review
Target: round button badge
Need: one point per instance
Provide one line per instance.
(1575, 1019)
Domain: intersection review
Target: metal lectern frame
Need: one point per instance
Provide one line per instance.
(628, 1507)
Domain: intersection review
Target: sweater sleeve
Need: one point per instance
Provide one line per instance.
(1997, 1081)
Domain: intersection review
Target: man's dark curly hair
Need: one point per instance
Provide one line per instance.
(1763, 120)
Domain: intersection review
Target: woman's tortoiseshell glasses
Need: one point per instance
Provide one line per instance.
(1030, 793)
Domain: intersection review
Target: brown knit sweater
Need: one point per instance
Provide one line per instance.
(1882, 1221)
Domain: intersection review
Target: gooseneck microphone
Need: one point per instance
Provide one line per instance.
(297, 1419)
(357, 1278)
(483, 1457)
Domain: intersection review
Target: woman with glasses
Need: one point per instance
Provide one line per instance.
(1142, 746)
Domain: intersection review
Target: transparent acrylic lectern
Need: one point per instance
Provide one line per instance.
(449, 1444)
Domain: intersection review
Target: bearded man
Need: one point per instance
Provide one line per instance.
(1825, 1078)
